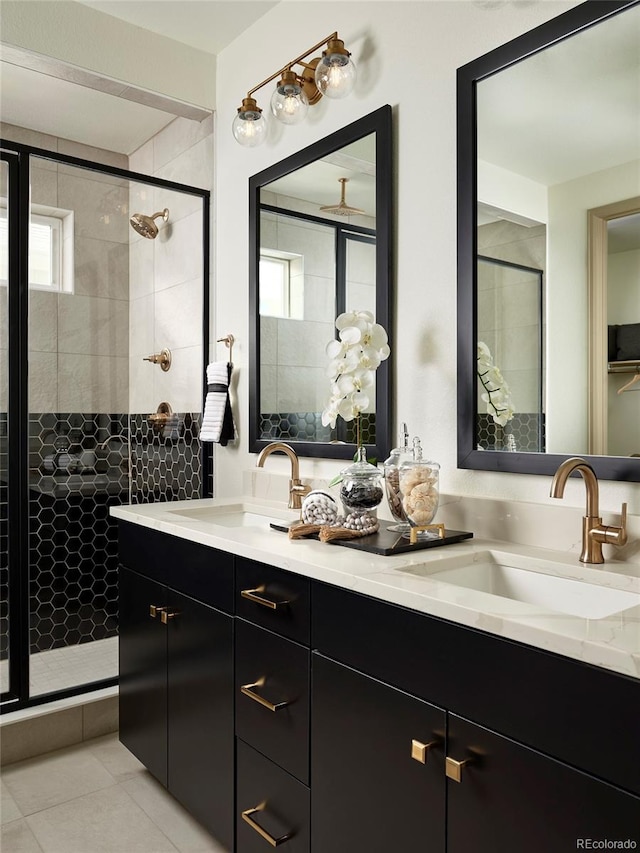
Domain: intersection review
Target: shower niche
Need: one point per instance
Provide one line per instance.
(91, 288)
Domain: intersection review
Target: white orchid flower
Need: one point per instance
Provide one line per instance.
(353, 359)
(359, 319)
(496, 394)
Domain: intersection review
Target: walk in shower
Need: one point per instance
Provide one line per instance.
(87, 299)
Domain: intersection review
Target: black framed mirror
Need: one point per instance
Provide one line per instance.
(548, 130)
(319, 245)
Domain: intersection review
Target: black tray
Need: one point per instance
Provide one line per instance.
(387, 542)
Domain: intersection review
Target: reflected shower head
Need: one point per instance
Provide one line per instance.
(145, 225)
(342, 208)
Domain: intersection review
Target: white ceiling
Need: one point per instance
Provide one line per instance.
(40, 101)
(568, 111)
(36, 101)
(208, 26)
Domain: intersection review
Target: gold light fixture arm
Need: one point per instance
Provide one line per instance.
(296, 61)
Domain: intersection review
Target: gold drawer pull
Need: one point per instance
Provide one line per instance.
(453, 768)
(247, 817)
(168, 614)
(258, 597)
(247, 690)
(154, 610)
(419, 750)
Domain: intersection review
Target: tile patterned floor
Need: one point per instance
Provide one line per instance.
(94, 797)
(70, 666)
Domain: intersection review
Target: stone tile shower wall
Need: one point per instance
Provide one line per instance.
(80, 359)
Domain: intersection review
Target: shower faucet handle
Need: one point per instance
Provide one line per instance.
(163, 358)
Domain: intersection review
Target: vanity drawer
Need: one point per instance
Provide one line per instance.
(198, 571)
(272, 711)
(281, 805)
(273, 599)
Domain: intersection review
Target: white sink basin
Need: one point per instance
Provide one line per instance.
(514, 576)
(236, 515)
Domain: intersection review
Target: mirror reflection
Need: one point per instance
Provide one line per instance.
(319, 238)
(317, 259)
(558, 135)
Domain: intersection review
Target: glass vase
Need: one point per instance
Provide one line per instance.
(361, 493)
(420, 494)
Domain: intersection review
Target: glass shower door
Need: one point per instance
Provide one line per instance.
(78, 333)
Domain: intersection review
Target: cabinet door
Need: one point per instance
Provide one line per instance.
(272, 806)
(368, 792)
(200, 712)
(143, 671)
(511, 798)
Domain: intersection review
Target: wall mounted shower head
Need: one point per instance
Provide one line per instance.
(145, 225)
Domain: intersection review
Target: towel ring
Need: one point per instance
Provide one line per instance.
(229, 341)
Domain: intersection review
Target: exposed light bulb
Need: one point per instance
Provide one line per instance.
(289, 104)
(249, 126)
(336, 72)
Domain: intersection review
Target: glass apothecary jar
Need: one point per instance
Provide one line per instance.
(397, 457)
(419, 487)
(361, 493)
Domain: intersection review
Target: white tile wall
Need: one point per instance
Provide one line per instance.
(166, 273)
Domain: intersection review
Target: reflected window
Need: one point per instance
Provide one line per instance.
(281, 285)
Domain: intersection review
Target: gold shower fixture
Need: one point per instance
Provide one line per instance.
(342, 208)
(333, 74)
(145, 225)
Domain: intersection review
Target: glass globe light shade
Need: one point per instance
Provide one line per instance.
(335, 75)
(289, 104)
(249, 126)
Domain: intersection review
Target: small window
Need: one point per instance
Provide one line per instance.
(50, 250)
(274, 287)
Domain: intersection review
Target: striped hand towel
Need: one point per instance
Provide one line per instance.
(217, 420)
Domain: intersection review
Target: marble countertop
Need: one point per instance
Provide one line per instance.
(612, 642)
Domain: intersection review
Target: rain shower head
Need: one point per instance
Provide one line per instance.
(342, 208)
(145, 225)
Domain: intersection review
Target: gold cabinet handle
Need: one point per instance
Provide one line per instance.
(248, 690)
(258, 596)
(419, 750)
(247, 817)
(453, 768)
(154, 610)
(168, 614)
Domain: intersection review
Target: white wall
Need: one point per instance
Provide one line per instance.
(567, 305)
(407, 53)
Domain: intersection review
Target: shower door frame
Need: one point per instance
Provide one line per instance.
(18, 155)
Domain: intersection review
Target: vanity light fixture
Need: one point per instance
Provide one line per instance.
(333, 74)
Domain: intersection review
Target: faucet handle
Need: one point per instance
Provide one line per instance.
(297, 492)
(613, 535)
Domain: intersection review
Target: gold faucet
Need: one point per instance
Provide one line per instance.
(297, 490)
(594, 532)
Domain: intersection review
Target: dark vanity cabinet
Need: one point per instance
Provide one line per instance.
(552, 746)
(287, 712)
(378, 780)
(272, 675)
(176, 669)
